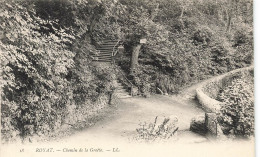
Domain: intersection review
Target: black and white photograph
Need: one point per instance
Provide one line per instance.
(127, 78)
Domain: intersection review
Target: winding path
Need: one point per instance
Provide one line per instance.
(117, 128)
(120, 125)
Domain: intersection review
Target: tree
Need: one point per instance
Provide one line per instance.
(134, 58)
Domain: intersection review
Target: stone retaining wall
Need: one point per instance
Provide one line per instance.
(207, 93)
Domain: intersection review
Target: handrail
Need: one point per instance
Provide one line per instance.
(126, 77)
(123, 74)
(114, 48)
(132, 85)
(131, 90)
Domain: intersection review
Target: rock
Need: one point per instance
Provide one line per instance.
(198, 125)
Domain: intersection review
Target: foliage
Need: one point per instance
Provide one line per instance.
(35, 88)
(186, 40)
(143, 79)
(237, 111)
(195, 51)
(43, 80)
(166, 84)
(243, 42)
(150, 132)
(202, 35)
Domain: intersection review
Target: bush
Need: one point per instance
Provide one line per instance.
(144, 80)
(36, 92)
(241, 36)
(43, 81)
(166, 84)
(161, 129)
(237, 112)
(202, 35)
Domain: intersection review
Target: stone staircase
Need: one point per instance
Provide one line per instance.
(121, 92)
(105, 51)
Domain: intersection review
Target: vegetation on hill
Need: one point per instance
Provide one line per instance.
(237, 112)
(46, 73)
(46, 46)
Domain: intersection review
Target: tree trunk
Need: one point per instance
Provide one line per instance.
(231, 14)
(182, 11)
(154, 14)
(134, 59)
(229, 23)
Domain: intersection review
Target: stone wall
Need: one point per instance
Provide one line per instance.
(207, 93)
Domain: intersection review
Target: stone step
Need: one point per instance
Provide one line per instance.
(107, 45)
(105, 41)
(102, 57)
(111, 42)
(108, 51)
(121, 87)
(104, 53)
(124, 97)
(121, 96)
(121, 90)
(105, 57)
(108, 57)
(105, 48)
(102, 60)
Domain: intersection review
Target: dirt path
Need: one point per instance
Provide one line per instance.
(118, 127)
(122, 123)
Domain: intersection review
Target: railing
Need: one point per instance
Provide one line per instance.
(128, 81)
(114, 52)
(132, 86)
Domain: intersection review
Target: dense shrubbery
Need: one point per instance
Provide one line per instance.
(187, 41)
(35, 65)
(44, 83)
(237, 111)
